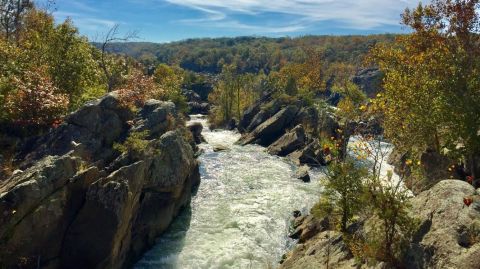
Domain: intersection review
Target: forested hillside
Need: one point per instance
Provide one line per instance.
(250, 54)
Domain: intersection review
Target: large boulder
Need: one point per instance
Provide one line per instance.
(125, 211)
(449, 234)
(311, 155)
(72, 210)
(196, 129)
(202, 89)
(271, 129)
(156, 117)
(192, 96)
(289, 142)
(267, 111)
(309, 118)
(199, 107)
(369, 80)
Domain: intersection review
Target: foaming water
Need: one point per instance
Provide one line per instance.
(239, 217)
(382, 152)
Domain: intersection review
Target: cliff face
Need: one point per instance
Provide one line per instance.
(81, 204)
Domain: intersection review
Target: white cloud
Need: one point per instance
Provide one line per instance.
(351, 14)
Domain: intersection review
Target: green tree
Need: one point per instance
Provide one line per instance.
(390, 227)
(170, 80)
(343, 189)
(67, 55)
(432, 82)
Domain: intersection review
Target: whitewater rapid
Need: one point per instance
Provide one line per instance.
(240, 215)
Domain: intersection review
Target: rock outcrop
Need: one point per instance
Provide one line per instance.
(318, 247)
(199, 108)
(252, 111)
(196, 103)
(281, 124)
(311, 155)
(449, 234)
(369, 80)
(289, 142)
(270, 130)
(81, 204)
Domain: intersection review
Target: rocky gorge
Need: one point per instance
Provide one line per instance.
(116, 188)
(78, 202)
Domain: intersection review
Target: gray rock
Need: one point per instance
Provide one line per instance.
(34, 206)
(369, 80)
(192, 96)
(251, 112)
(231, 125)
(328, 125)
(309, 118)
(272, 129)
(157, 117)
(219, 148)
(311, 155)
(434, 169)
(297, 213)
(76, 211)
(196, 130)
(289, 142)
(446, 238)
(199, 108)
(267, 111)
(302, 173)
(96, 126)
(318, 246)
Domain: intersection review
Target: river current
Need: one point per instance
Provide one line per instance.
(240, 215)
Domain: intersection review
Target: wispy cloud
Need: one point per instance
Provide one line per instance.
(84, 21)
(81, 6)
(350, 14)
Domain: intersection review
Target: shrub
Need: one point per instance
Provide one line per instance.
(35, 100)
(91, 93)
(135, 144)
(137, 89)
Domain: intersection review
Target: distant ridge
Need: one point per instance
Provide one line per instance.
(253, 53)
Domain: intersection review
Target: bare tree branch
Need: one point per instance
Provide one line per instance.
(110, 37)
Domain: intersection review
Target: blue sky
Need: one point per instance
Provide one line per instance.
(171, 20)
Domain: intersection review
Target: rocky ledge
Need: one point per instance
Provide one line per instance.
(288, 128)
(448, 235)
(79, 203)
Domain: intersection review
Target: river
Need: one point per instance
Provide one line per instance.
(240, 215)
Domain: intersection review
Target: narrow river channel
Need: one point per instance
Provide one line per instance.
(241, 213)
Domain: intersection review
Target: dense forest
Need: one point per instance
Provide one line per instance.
(250, 54)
